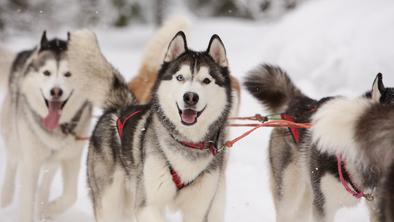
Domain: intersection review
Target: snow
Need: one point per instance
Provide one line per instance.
(328, 48)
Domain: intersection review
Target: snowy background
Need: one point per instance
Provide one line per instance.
(328, 47)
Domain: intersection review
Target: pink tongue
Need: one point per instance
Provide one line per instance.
(189, 116)
(51, 121)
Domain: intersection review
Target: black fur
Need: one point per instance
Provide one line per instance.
(271, 86)
(195, 60)
(274, 89)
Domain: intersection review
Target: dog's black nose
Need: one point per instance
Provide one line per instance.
(56, 92)
(190, 98)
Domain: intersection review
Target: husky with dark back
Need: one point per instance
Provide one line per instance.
(362, 131)
(305, 181)
(41, 119)
(144, 159)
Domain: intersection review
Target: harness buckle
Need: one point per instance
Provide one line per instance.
(369, 196)
(212, 148)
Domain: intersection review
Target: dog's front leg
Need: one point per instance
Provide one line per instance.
(45, 188)
(29, 178)
(151, 214)
(216, 211)
(198, 200)
(70, 172)
(8, 188)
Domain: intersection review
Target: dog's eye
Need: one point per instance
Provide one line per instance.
(180, 78)
(67, 74)
(206, 81)
(46, 73)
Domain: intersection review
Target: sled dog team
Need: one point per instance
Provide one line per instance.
(157, 144)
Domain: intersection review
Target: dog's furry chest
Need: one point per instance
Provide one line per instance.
(147, 153)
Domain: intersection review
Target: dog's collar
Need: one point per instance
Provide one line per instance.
(210, 145)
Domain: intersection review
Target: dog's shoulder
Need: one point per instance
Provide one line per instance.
(21, 59)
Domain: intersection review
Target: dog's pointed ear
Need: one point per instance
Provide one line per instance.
(217, 51)
(44, 41)
(68, 36)
(377, 88)
(176, 47)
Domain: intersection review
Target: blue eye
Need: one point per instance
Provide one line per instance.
(180, 78)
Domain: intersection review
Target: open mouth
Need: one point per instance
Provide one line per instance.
(189, 116)
(51, 121)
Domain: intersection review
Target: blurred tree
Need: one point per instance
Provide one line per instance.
(36, 15)
(159, 10)
(126, 11)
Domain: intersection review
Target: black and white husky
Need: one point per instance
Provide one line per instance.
(362, 131)
(144, 159)
(305, 181)
(41, 119)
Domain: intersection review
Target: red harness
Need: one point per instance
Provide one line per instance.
(355, 192)
(201, 146)
(175, 176)
(294, 131)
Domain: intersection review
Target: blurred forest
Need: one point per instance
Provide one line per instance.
(31, 15)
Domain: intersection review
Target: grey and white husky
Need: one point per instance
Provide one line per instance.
(362, 131)
(42, 118)
(305, 181)
(144, 159)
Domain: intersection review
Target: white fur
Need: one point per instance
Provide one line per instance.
(6, 58)
(333, 126)
(176, 48)
(156, 48)
(218, 52)
(36, 87)
(94, 72)
(112, 202)
(375, 90)
(336, 197)
(171, 92)
(34, 151)
(296, 202)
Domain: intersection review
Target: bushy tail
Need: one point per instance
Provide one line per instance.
(272, 87)
(141, 85)
(357, 129)
(6, 59)
(93, 75)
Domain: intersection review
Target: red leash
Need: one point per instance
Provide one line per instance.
(356, 192)
(265, 121)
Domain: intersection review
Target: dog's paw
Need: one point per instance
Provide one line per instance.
(57, 206)
(334, 125)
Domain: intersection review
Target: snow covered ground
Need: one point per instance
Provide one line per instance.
(328, 47)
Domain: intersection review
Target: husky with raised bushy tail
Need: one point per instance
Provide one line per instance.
(144, 159)
(305, 181)
(362, 131)
(43, 119)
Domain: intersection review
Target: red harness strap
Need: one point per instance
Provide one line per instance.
(175, 177)
(121, 124)
(200, 146)
(355, 192)
(294, 131)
